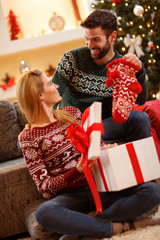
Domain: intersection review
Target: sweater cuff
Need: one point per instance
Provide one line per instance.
(141, 72)
(72, 175)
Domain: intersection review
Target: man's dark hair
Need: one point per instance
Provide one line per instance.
(101, 17)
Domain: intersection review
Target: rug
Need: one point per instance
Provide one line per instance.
(148, 233)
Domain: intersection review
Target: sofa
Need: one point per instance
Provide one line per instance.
(18, 194)
(19, 197)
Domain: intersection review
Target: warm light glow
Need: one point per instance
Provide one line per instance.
(102, 1)
(149, 60)
(123, 49)
(131, 23)
(143, 35)
(26, 69)
(153, 95)
(113, 4)
(24, 66)
(121, 38)
(158, 95)
(126, 4)
(157, 47)
(148, 25)
(133, 36)
(140, 26)
(154, 60)
(151, 30)
(120, 29)
(149, 7)
(155, 8)
(151, 55)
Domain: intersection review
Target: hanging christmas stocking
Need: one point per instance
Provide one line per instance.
(126, 88)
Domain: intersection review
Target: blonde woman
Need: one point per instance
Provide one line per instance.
(55, 166)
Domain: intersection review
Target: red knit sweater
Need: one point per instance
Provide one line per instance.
(51, 159)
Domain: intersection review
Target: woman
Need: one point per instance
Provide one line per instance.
(55, 166)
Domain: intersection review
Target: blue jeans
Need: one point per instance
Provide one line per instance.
(136, 127)
(67, 213)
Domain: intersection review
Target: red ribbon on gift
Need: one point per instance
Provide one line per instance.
(80, 139)
(102, 175)
(135, 163)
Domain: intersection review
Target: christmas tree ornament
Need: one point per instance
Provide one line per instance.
(138, 10)
(134, 45)
(116, 1)
(121, 74)
(150, 45)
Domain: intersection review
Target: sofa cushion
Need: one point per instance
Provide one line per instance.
(21, 118)
(9, 130)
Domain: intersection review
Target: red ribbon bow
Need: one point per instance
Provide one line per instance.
(79, 138)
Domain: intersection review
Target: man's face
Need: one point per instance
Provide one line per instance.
(97, 42)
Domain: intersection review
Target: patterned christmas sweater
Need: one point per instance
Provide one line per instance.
(80, 78)
(51, 159)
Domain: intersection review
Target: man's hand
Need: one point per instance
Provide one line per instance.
(27, 126)
(133, 58)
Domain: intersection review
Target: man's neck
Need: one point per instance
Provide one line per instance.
(105, 59)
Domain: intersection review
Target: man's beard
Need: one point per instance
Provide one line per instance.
(102, 52)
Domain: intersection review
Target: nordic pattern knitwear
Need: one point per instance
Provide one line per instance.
(81, 81)
(51, 159)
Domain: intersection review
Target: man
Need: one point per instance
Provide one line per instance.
(81, 76)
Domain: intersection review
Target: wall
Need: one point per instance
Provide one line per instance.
(37, 58)
(40, 57)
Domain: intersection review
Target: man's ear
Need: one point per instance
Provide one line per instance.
(113, 36)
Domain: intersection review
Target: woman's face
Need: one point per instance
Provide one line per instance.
(50, 95)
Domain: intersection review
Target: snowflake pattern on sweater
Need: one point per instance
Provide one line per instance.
(51, 159)
(81, 81)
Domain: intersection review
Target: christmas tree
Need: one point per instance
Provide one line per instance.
(138, 32)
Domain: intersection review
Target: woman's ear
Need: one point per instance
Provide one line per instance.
(41, 96)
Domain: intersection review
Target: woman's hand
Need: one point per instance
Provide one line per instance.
(91, 165)
(107, 146)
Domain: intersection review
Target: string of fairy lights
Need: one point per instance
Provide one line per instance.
(138, 11)
(140, 25)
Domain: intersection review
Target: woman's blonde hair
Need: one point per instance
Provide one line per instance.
(29, 86)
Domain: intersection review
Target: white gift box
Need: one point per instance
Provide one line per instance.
(127, 165)
(94, 116)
